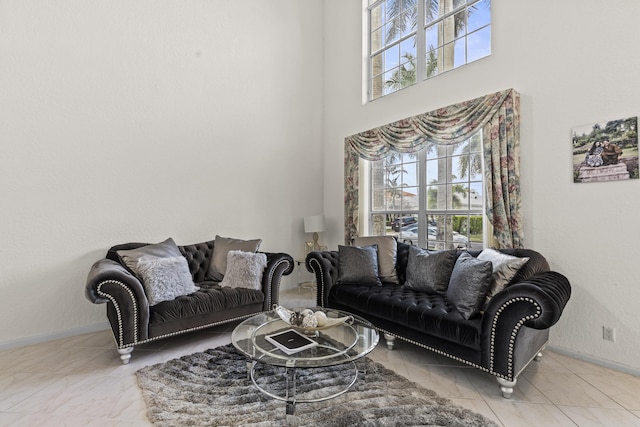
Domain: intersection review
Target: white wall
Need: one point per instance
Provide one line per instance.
(574, 63)
(137, 120)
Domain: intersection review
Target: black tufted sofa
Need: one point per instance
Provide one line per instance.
(512, 331)
(134, 322)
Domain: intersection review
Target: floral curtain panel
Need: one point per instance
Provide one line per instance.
(497, 114)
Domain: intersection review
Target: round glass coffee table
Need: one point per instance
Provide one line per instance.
(275, 373)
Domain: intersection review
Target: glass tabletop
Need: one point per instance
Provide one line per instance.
(343, 343)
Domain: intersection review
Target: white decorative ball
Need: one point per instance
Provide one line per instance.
(309, 322)
(321, 318)
(307, 312)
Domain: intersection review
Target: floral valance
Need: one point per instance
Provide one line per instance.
(448, 125)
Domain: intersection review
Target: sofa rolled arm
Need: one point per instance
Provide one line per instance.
(278, 265)
(128, 313)
(547, 293)
(324, 265)
(104, 270)
(537, 303)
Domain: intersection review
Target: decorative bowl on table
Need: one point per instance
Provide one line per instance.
(309, 321)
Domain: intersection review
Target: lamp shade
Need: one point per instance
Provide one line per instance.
(313, 224)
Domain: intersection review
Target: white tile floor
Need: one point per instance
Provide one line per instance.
(79, 381)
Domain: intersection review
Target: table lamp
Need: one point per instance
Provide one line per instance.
(313, 224)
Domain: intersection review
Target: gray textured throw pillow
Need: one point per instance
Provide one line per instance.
(165, 279)
(244, 270)
(387, 255)
(358, 265)
(165, 249)
(429, 271)
(505, 268)
(469, 284)
(221, 247)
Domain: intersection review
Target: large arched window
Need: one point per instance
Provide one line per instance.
(496, 115)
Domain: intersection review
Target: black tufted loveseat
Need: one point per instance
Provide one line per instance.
(134, 322)
(512, 331)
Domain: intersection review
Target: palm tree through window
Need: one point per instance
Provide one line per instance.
(413, 40)
(432, 198)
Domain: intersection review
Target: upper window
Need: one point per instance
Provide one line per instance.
(433, 198)
(413, 40)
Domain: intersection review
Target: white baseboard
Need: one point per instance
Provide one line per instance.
(38, 339)
(604, 363)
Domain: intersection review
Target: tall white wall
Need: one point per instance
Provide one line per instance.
(136, 120)
(574, 62)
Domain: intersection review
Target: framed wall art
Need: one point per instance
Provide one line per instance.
(606, 151)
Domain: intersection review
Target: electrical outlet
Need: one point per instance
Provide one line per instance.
(609, 333)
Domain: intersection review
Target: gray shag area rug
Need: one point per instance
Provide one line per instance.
(212, 389)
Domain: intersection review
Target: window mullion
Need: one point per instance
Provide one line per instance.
(387, 46)
(422, 199)
(372, 6)
(450, 13)
(421, 43)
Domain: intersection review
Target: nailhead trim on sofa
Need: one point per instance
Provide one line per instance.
(271, 273)
(121, 343)
(118, 313)
(514, 333)
(183, 331)
(321, 280)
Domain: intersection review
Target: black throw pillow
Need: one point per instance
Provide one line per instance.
(469, 284)
(429, 271)
(358, 265)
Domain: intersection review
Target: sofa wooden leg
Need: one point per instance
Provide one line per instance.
(538, 357)
(507, 387)
(125, 354)
(391, 340)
